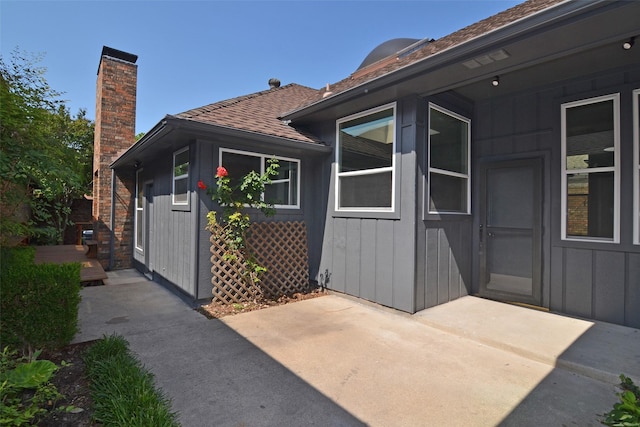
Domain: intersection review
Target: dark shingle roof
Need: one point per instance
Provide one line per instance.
(485, 26)
(258, 112)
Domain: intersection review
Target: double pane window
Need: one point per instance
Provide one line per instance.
(590, 152)
(284, 190)
(365, 151)
(181, 177)
(449, 183)
(139, 218)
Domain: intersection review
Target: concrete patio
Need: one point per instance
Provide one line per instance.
(338, 361)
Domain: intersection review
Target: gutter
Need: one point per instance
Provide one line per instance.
(147, 139)
(195, 126)
(455, 53)
(171, 123)
(208, 128)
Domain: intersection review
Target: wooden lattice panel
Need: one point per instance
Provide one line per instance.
(281, 247)
(229, 285)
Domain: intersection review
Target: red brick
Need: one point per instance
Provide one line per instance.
(114, 133)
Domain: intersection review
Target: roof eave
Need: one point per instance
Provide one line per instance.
(452, 54)
(160, 129)
(171, 123)
(208, 128)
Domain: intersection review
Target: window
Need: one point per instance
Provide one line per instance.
(139, 218)
(365, 153)
(449, 183)
(181, 177)
(590, 176)
(636, 165)
(284, 190)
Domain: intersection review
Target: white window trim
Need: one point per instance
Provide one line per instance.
(636, 167)
(615, 169)
(138, 208)
(263, 164)
(175, 178)
(391, 168)
(139, 184)
(467, 176)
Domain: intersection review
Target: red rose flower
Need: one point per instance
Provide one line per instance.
(202, 185)
(221, 172)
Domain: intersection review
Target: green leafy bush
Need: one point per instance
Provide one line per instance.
(18, 257)
(122, 389)
(625, 413)
(25, 390)
(39, 303)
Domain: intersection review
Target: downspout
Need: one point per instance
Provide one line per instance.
(195, 255)
(112, 243)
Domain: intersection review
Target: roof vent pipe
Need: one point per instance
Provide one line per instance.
(274, 83)
(327, 91)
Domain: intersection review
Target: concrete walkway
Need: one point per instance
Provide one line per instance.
(337, 361)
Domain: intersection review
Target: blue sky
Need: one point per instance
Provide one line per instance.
(192, 53)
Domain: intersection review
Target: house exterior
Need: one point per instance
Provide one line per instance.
(501, 161)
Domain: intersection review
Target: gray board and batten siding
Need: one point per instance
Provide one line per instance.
(178, 252)
(414, 261)
(373, 257)
(169, 254)
(443, 240)
(598, 280)
(409, 259)
(311, 211)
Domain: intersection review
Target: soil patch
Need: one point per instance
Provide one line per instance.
(72, 383)
(216, 310)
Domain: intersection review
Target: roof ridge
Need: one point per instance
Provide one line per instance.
(225, 103)
(258, 112)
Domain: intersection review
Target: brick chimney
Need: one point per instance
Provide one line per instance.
(114, 191)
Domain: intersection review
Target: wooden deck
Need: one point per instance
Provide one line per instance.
(91, 270)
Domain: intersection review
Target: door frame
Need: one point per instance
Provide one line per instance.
(148, 227)
(540, 163)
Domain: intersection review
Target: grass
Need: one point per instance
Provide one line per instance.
(123, 391)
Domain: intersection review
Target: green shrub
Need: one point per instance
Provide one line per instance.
(25, 390)
(18, 257)
(39, 303)
(122, 389)
(625, 413)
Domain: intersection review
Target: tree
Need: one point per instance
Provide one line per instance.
(45, 154)
(66, 176)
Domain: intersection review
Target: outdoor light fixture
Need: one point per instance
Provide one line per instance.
(629, 43)
(495, 81)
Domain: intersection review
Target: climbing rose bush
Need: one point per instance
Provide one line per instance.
(234, 199)
(221, 172)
